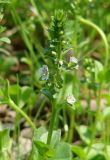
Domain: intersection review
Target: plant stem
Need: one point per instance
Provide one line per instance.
(102, 34)
(97, 118)
(52, 122)
(17, 109)
(71, 128)
(65, 124)
(39, 109)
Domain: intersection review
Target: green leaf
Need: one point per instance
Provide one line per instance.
(107, 75)
(6, 64)
(62, 152)
(26, 61)
(42, 147)
(106, 112)
(99, 157)
(34, 153)
(20, 95)
(5, 39)
(96, 152)
(39, 148)
(85, 133)
(48, 92)
(108, 151)
(41, 135)
(4, 139)
(26, 93)
(56, 136)
(78, 151)
(1, 16)
(5, 90)
(38, 133)
(4, 1)
(15, 93)
(99, 71)
(39, 142)
(2, 29)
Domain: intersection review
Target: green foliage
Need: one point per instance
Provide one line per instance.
(4, 144)
(58, 61)
(77, 29)
(53, 55)
(41, 150)
(2, 29)
(4, 1)
(4, 139)
(78, 151)
(5, 39)
(85, 133)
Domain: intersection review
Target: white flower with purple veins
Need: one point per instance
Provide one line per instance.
(69, 54)
(75, 61)
(70, 99)
(70, 58)
(44, 72)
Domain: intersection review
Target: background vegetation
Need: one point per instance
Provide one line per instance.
(54, 80)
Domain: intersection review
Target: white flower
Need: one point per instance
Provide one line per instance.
(70, 57)
(33, 10)
(61, 62)
(74, 60)
(44, 72)
(70, 99)
(54, 53)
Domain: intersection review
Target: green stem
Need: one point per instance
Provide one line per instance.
(51, 127)
(39, 110)
(97, 118)
(65, 125)
(102, 34)
(17, 109)
(71, 129)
